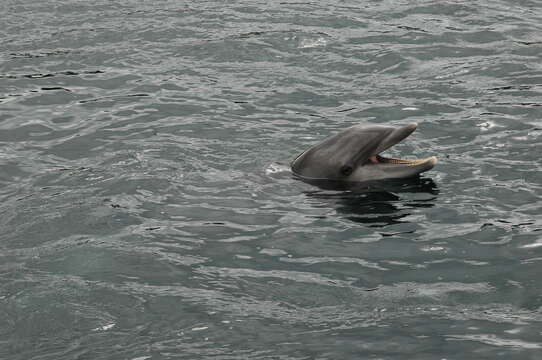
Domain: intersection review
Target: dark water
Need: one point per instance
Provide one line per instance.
(146, 213)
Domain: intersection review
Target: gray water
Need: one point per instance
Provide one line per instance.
(147, 212)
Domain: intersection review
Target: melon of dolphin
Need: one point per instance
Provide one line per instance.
(354, 155)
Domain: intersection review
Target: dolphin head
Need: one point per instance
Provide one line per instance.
(354, 155)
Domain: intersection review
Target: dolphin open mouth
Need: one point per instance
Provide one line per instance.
(396, 136)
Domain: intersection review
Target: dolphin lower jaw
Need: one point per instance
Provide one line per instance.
(390, 168)
(379, 159)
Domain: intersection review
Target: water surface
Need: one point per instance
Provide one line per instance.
(147, 213)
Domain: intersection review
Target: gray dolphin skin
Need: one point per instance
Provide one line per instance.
(354, 155)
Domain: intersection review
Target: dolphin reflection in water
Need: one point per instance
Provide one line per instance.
(354, 155)
(376, 204)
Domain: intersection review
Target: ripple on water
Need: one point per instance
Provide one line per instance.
(147, 208)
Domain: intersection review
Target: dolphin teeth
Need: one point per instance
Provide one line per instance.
(385, 160)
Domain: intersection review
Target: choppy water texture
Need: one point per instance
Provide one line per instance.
(145, 212)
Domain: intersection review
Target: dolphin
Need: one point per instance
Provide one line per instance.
(353, 155)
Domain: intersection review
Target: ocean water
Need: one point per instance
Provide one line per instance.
(147, 211)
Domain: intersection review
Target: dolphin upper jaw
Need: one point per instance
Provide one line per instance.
(354, 155)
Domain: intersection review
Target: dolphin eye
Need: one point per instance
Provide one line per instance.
(346, 170)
